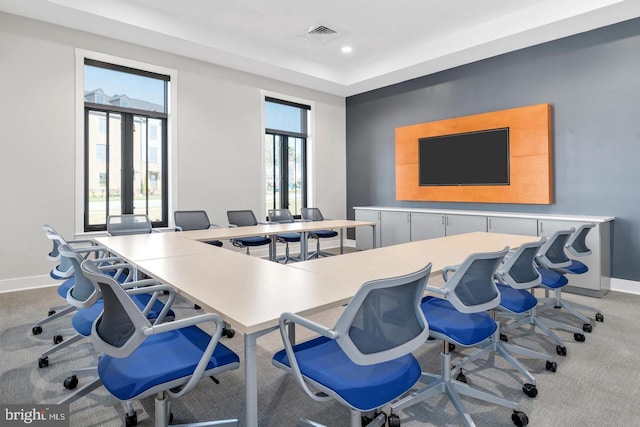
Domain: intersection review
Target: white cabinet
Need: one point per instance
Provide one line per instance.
(400, 225)
(596, 281)
(508, 225)
(427, 226)
(395, 227)
(364, 237)
(460, 224)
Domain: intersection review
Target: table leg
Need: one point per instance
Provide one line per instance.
(251, 380)
(304, 247)
(373, 228)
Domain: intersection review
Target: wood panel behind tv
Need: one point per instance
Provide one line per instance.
(530, 157)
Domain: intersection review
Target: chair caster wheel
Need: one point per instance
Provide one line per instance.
(43, 362)
(462, 378)
(36, 330)
(599, 317)
(452, 347)
(70, 382)
(57, 339)
(519, 418)
(587, 327)
(131, 420)
(579, 337)
(229, 333)
(561, 350)
(530, 390)
(393, 420)
(51, 313)
(504, 338)
(551, 366)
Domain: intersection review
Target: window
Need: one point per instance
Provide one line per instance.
(125, 124)
(286, 132)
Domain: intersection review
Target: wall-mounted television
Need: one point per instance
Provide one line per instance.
(471, 158)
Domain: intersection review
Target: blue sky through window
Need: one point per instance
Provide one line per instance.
(118, 83)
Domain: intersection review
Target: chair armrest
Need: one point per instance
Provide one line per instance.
(448, 269)
(82, 242)
(150, 286)
(266, 223)
(212, 225)
(232, 226)
(437, 290)
(289, 318)
(177, 228)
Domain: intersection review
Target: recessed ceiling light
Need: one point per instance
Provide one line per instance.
(346, 49)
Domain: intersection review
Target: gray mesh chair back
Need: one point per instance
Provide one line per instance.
(191, 220)
(384, 320)
(242, 218)
(518, 269)
(119, 331)
(472, 288)
(552, 254)
(282, 216)
(577, 242)
(311, 214)
(121, 225)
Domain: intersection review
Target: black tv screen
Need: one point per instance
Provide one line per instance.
(473, 158)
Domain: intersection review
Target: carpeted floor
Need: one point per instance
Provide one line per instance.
(596, 384)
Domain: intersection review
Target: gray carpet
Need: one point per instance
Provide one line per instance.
(596, 383)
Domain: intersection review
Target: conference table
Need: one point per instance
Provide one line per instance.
(272, 229)
(251, 293)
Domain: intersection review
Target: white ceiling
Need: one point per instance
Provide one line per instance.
(392, 41)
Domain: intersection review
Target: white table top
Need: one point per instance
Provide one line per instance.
(138, 247)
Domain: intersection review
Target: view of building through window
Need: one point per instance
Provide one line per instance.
(125, 144)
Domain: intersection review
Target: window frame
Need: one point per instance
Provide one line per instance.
(170, 157)
(309, 149)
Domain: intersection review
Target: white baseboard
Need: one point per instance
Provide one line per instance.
(626, 286)
(23, 283)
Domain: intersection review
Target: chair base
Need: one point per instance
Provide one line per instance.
(444, 384)
(544, 324)
(356, 420)
(59, 312)
(163, 415)
(570, 307)
(495, 345)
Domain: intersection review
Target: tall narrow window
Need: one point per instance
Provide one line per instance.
(285, 155)
(125, 143)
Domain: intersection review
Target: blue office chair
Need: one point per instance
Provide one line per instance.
(461, 318)
(194, 220)
(87, 299)
(64, 271)
(126, 224)
(246, 218)
(364, 361)
(516, 275)
(577, 246)
(314, 214)
(181, 352)
(552, 262)
(283, 216)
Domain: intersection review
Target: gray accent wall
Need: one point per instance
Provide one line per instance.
(592, 81)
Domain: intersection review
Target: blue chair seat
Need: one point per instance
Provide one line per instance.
(552, 279)
(323, 234)
(159, 359)
(577, 267)
(254, 241)
(466, 329)
(363, 387)
(516, 300)
(289, 237)
(63, 289)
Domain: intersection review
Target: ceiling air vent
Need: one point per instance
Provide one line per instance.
(321, 33)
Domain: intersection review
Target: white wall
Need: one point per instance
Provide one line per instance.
(218, 139)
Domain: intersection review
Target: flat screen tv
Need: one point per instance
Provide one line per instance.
(473, 158)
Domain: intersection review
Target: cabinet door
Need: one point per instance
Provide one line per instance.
(395, 228)
(426, 226)
(524, 226)
(364, 236)
(589, 281)
(460, 224)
